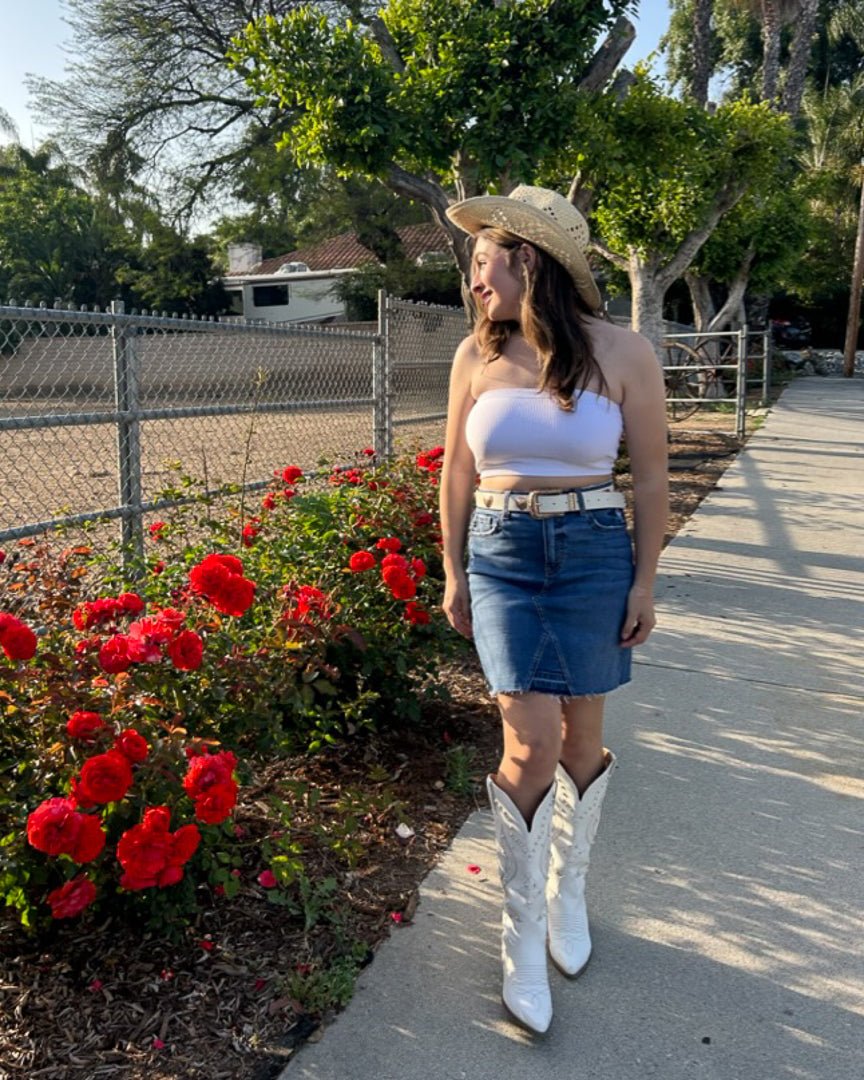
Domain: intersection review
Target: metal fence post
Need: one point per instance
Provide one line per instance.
(382, 420)
(128, 440)
(766, 367)
(741, 384)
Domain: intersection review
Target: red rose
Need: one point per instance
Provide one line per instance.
(186, 651)
(89, 839)
(151, 855)
(71, 899)
(309, 601)
(156, 528)
(360, 561)
(2, 557)
(82, 616)
(415, 614)
(184, 844)
(145, 639)
(130, 602)
(419, 568)
(425, 518)
(114, 655)
(105, 777)
(220, 579)
(17, 639)
(171, 617)
(53, 825)
(389, 543)
(269, 501)
(216, 803)
(394, 560)
(236, 598)
(208, 770)
(132, 745)
(84, 725)
(250, 531)
(57, 828)
(291, 474)
(404, 589)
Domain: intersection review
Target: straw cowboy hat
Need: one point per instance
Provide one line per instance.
(543, 218)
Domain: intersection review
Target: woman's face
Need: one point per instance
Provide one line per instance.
(496, 287)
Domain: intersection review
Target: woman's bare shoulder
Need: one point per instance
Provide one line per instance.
(619, 343)
(467, 359)
(468, 348)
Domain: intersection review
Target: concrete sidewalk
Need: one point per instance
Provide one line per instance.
(727, 886)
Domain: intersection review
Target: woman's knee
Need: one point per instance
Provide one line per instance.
(532, 733)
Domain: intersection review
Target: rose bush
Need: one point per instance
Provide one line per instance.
(112, 754)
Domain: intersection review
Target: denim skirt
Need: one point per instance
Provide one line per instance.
(548, 600)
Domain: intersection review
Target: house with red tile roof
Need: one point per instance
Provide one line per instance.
(299, 286)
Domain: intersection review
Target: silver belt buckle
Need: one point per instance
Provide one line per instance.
(533, 508)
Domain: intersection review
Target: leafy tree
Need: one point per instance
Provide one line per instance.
(174, 274)
(435, 95)
(150, 94)
(661, 174)
(757, 244)
(430, 284)
(60, 242)
(55, 240)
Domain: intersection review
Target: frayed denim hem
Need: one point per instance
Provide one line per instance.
(563, 698)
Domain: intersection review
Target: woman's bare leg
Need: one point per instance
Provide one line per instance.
(532, 748)
(582, 739)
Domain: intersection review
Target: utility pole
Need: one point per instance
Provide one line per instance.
(855, 293)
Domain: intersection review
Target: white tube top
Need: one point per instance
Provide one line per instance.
(521, 431)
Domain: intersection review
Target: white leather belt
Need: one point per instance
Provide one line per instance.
(540, 504)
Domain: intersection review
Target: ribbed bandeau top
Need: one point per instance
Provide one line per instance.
(520, 431)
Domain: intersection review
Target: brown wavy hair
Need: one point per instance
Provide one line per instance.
(552, 319)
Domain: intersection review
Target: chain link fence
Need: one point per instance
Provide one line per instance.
(111, 417)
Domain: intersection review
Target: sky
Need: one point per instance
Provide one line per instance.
(34, 34)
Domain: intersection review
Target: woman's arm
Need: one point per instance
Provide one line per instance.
(458, 476)
(644, 411)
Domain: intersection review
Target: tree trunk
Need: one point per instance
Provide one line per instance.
(701, 51)
(701, 298)
(737, 289)
(799, 57)
(771, 26)
(647, 303)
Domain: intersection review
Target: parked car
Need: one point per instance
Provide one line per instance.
(791, 333)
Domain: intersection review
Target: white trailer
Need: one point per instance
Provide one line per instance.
(293, 294)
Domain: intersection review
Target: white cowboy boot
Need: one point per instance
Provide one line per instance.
(574, 826)
(523, 861)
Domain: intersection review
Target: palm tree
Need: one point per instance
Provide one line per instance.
(773, 14)
(702, 12)
(799, 56)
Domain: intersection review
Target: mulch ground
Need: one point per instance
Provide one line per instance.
(252, 981)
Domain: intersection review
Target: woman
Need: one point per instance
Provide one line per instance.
(554, 595)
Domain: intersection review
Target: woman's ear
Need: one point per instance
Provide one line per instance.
(527, 256)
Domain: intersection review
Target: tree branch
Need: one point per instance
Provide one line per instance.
(684, 256)
(609, 55)
(737, 288)
(610, 256)
(386, 44)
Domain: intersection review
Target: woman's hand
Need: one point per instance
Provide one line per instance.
(457, 603)
(640, 619)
